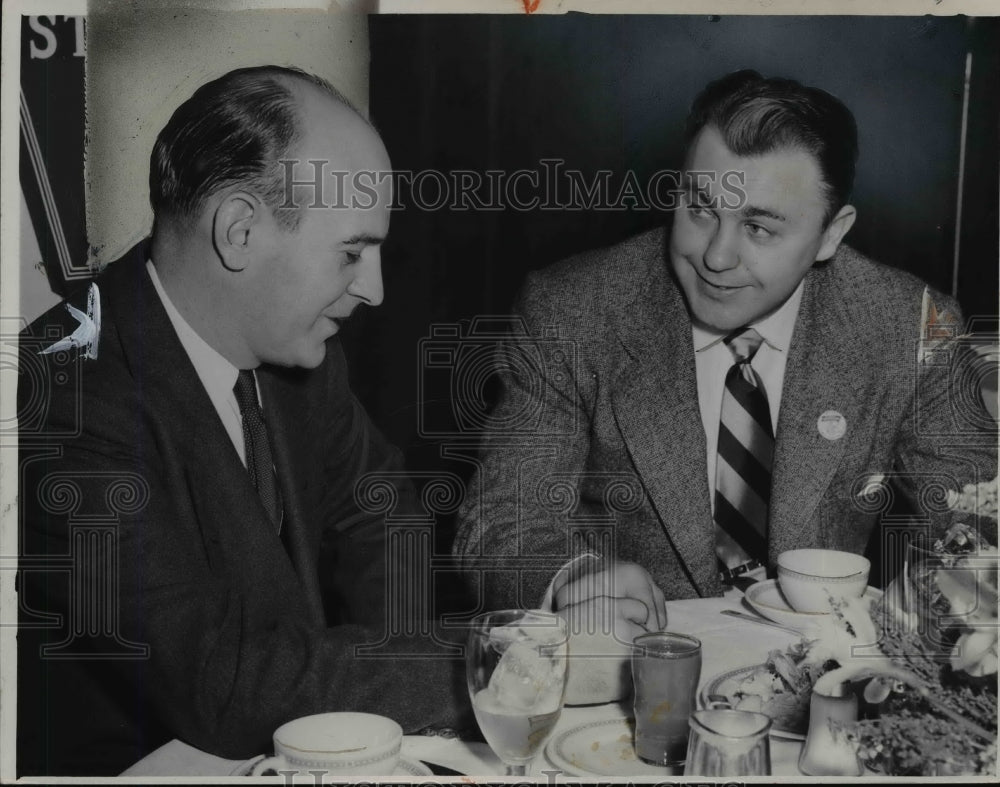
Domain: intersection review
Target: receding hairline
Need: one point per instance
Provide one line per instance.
(301, 87)
(301, 93)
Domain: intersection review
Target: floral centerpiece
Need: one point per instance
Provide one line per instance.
(926, 656)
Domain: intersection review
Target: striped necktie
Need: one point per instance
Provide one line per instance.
(256, 446)
(743, 466)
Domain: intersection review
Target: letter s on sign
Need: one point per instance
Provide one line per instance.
(42, 53)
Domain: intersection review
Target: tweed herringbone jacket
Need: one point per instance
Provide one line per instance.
(597, 439)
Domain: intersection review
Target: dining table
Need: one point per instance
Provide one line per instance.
(729, 643)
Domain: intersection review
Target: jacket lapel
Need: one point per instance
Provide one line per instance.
(232, 522)
(655, 401)
(821, 376)
(288, 415)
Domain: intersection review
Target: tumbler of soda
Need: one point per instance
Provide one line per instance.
(666, 667)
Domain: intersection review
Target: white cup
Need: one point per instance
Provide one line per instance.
(810, 578)
(342, 744)
(599, 669)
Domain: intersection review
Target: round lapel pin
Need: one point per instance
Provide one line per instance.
(832, 425)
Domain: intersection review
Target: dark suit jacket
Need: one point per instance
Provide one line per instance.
(182, 612)
(605, 447)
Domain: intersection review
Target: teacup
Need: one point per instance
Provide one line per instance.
(810, 578)
(343, 744)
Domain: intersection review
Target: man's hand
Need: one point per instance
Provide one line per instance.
(606, 606)
(609, 624)
(636, 598)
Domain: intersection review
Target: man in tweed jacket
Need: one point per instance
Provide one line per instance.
(618, 464)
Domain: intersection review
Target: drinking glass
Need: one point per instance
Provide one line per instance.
(516, 672)
(665, 672)
(728, 743)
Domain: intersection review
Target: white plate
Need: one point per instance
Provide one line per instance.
(408, 767)
(766, 599)
(405, 767)
(726, 685)
(601, 748)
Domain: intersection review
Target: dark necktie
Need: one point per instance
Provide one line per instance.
(743, 466)
(256, 446)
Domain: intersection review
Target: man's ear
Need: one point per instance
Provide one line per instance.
(835, 232)
(235, 216)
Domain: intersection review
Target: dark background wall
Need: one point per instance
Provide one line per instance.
(491, 92)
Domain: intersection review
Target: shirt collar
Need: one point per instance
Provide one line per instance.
(216, 373)
(775, 329)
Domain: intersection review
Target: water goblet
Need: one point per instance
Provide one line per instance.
(516, 673)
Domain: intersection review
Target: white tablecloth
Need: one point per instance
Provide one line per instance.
(727, 643)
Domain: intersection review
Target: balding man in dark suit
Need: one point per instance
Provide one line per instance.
(213, 432)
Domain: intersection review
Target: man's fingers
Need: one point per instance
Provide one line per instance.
(583, 588)
(630, 619)
(617, 580)
(660, 606)
(636, 611)
(622, 619)
(653, 597)
(640, 586)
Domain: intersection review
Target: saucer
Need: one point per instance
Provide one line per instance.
(405, 767)
(766, 599)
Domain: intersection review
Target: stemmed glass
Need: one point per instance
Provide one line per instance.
(516, 672)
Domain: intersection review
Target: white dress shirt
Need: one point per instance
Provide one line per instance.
(713, 360)
(216, 373)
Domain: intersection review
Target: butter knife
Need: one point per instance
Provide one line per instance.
(762, 621)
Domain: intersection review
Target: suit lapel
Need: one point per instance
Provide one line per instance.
(232, 522)
(821, 376)
(288, 416)
(655, 401)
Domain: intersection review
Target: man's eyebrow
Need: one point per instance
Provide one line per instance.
(750, 212)
(363, 239)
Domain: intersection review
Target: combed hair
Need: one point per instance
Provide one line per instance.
(231, 131)
(755, 116)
